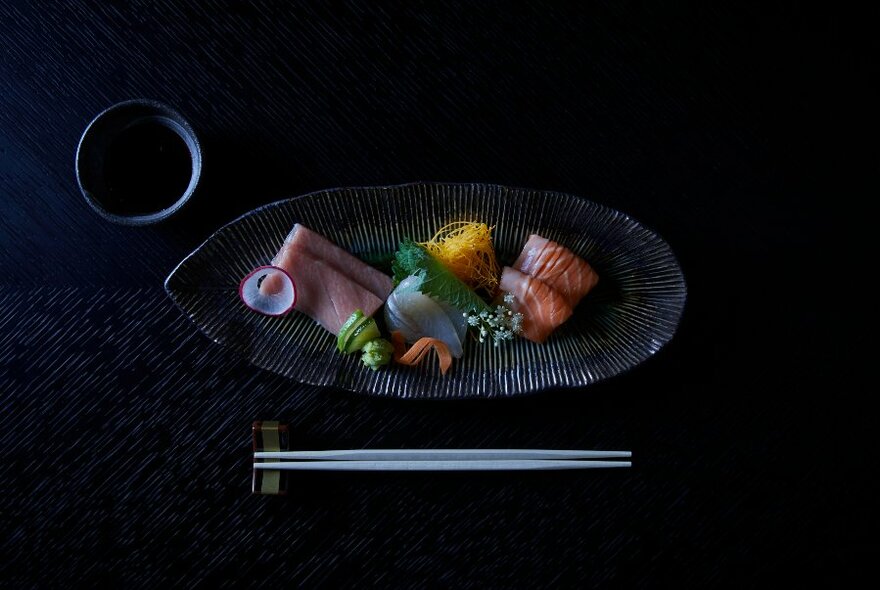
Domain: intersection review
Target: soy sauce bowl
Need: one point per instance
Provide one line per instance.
(138, 162)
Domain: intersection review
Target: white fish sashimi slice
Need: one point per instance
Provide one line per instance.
(415, 315)
(399, 322)
(413, 283)
(394, 319)
(431, 320)
(455, 315)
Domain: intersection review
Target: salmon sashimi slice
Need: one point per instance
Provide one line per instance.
(558, 267)
(543, 308)
(323, 293)
(302, 238)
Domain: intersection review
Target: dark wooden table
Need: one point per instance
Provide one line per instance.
(124, 433)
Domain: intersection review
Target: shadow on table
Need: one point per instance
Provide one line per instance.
(238, 175)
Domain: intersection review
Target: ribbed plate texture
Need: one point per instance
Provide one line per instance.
(628, 317)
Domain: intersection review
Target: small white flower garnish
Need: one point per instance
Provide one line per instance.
(501, 323)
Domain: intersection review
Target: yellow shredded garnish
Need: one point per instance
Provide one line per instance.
(465, 248)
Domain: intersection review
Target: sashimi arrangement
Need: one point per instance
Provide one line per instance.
(440, 292)
(631, 314)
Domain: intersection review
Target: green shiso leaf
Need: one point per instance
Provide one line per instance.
(437, 280)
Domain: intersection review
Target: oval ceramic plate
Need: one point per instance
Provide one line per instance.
(629, 316)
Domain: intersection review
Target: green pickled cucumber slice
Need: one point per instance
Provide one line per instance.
(346, 329)
(362, 334)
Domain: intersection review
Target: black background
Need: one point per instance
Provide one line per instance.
(737, 134)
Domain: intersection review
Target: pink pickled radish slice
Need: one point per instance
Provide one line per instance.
(268, 290)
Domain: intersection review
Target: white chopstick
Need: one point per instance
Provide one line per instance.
(440, 455)
(470, 465)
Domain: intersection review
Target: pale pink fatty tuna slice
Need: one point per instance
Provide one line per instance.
(331, 283)
(302, 238)
(326, 295)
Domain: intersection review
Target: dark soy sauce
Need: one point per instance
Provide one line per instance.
(147, 168)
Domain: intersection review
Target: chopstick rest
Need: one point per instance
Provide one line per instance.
(269, 436)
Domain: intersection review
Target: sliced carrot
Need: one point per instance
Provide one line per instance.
(444, 356)
(418, 351)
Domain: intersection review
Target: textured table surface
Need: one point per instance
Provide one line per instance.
(125, 433)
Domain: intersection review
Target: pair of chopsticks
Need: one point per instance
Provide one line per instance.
(440, 460)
